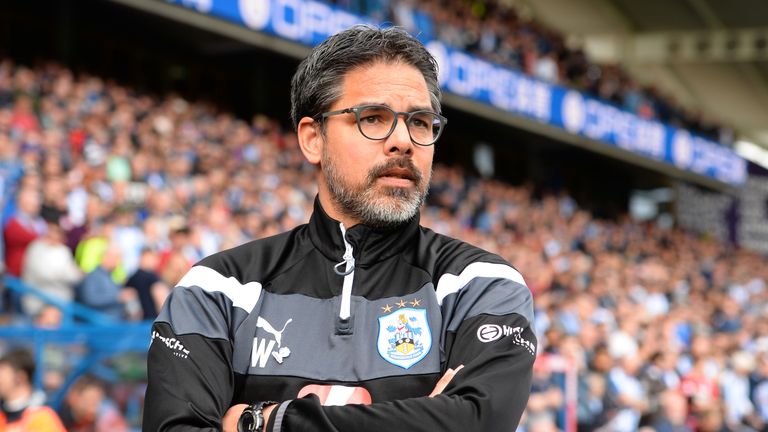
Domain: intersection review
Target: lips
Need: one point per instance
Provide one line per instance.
(402, 173)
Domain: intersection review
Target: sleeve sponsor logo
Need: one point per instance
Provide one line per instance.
(175, 345)
(491, 332)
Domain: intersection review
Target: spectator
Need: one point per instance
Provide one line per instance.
(151, 291)
(98, 290)
(674, 414)
(21, 406)
(735, 386)
(619, 287)
(628, 394)
(87, 408)
(49, 265)
(25, 226)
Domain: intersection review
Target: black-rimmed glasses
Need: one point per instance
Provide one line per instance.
(377, 122)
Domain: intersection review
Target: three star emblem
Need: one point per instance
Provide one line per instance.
(401, 304)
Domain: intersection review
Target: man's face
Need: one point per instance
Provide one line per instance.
(378, 183)
(8, 379)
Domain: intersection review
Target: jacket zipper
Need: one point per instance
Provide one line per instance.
(349, 276)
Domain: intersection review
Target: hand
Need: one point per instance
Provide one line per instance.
(229, 422)
(442, 383)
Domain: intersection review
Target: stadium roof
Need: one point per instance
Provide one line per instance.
(711, 55)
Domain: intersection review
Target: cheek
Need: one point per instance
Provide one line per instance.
(424, 162)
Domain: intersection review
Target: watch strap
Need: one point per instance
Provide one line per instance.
(252, 419)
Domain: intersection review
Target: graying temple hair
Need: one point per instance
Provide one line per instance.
(316, 85)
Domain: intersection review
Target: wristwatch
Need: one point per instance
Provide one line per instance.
(252, 418)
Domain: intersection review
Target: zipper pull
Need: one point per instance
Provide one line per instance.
(349, 260)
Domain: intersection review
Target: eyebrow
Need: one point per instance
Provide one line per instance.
(410, 109)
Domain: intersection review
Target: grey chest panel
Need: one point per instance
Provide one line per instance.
(296, 335)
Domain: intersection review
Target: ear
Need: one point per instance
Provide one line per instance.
(311, 140)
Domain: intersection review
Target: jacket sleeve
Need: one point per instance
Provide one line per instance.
(190, 375)
(487, 329)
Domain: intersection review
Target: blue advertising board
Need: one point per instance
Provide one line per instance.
(309, 22)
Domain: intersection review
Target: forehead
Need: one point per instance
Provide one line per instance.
(389, 83)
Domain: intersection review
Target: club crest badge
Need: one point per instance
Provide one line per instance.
(404, 337)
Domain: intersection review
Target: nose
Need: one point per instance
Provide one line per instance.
(400, 140)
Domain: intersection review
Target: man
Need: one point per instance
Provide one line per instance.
(87, 408)
(21, 407)
(98, 289)
(49, 265)
(25, 226)
(348, 323)
(149, 290)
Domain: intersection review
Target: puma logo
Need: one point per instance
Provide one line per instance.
(262, 349)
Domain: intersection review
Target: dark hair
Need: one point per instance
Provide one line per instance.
(316, 85)
(20, 360)
(86, 381)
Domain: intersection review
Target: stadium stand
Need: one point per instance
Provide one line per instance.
(496, 31)
(661, 328)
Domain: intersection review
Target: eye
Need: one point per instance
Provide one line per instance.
(421, 121)
(371, 119)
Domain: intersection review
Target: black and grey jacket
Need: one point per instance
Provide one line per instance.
(350, 329)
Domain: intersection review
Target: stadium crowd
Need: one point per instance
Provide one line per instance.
(495, 30)
(110, 195)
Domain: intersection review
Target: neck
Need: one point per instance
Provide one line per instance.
(331, 209)
(18, 398)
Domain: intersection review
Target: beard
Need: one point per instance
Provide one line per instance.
(378, 207)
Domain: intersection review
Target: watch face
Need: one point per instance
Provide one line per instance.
(247, 421)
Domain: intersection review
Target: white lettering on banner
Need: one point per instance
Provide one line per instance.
(707, 158)
(682, 149)
(621, 127)
(596, 126)
(285, 27)
(467, 76)
(255, 13)
(203, 6)
(500, 94)
(460, 79)
(652, 133)
(301, 20)
(174, 344)
(607, 123)
(574, 112)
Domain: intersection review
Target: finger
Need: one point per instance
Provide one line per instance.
(443, 382)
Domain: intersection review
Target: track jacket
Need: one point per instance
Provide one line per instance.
(349, 329)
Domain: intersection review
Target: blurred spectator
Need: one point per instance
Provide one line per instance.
(674, 413)
(592, 403)
(150, 290)
(546, 397)
(496, 31)
(628, 394)
(735, 386)
(22, 228)
(98, 290)
(129, 237)
(49, 265)
(198, 180)
(21, 407)
(87, 408)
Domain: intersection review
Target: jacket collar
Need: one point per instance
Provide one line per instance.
(369, 245)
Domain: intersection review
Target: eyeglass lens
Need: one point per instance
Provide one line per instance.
(377, 122)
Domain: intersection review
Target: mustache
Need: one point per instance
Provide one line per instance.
(401, 163)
